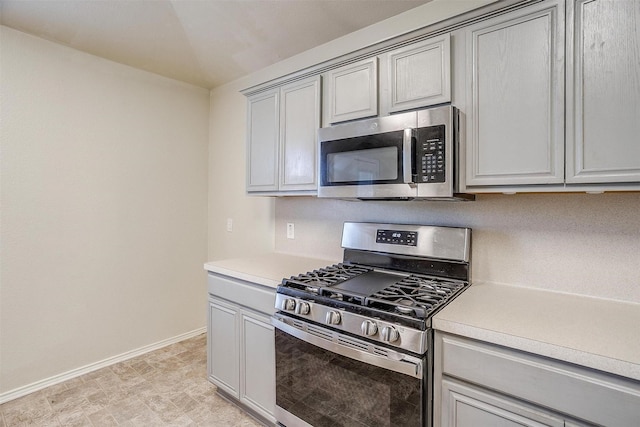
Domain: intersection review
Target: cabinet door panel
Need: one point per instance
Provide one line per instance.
(300, 120)
(223, 347)
(466, 406)
(353, 91)
(258, 359)
(582, 393)
(516, 97)
(262, 142)
(603, 143)
(419, 74)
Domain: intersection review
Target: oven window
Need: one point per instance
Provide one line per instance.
(376, 164)
(328, 390)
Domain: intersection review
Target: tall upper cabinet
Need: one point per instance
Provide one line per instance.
(514, 89)
(282, 124)
(603, 91)
(263, 121)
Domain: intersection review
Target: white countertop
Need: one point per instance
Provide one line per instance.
(597, 333)
(267, 269)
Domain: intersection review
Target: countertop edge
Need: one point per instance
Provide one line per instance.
(565, 354)
(242, 276)
(266, 269)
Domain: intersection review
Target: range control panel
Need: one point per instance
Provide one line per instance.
(395, 237)
(430, 154)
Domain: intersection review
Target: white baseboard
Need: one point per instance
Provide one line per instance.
(56, 379)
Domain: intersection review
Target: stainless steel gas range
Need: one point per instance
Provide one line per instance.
(354, 344)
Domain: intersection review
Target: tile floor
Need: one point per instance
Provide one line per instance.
(166, 387)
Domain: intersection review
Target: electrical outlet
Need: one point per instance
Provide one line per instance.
(229, 224)
(290, 231)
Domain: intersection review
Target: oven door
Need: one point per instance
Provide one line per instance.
(325, 378)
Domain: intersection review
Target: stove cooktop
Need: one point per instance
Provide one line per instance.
(399, 295)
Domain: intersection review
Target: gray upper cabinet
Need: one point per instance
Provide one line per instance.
(300, 120)
(282, 127)
(352, 91)
(603, 91)
(262, 141)
(417, 75)
(515, 97)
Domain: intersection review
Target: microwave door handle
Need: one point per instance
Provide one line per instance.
(407, 156)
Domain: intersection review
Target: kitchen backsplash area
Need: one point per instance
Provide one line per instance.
(574, 243)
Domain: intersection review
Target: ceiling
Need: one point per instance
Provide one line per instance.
(203, 42)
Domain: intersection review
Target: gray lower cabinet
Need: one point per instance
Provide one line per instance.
(467, 406)
(224, 345)
(481, 384)
(241, 346)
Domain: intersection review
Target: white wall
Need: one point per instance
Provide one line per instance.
(103, 195)
(576, 243)
(252, 216)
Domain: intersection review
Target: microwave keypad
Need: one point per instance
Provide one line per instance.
(431, 154)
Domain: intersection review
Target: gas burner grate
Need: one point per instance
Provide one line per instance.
(415, 296)
(313, 281)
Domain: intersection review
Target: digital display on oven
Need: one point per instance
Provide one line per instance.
(397, 237)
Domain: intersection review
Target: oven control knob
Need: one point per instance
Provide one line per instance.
(369, 328)
(302, 308)
(289, 304)
(333, 318)
(389, 334)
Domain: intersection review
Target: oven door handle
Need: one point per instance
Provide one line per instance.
(350, 347)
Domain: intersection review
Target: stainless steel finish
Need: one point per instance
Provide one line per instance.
(288, 304)
(369, 328)
(413, 340)
(433, 117)
(369, 127)
(288, 419)
(374, 126)
(450, 243)
(389, 334)
(332, 318)
(407, 155)
(302, 308)
(445, 115)
(383, 191)
(350, 347)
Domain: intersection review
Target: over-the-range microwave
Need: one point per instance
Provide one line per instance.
(404, 156)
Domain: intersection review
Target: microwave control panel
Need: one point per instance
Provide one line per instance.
(430, 154)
